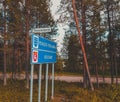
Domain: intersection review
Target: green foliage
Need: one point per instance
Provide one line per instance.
(115, 93)
(97, 31)
(20, 19)
(73, 63)
(74, 93)
(59, 64)
(43, 8)
(14, 92)
(64, 92)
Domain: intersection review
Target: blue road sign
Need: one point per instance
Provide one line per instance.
(42, 50)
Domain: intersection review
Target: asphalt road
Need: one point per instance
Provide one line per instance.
(80, 79)
(67, 78)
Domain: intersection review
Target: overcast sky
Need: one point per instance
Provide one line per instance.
(60, 36)
(54, 8)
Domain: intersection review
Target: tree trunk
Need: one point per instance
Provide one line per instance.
(5, 46)
(110, 43)
(19, 58)
(14, 59)
(96, 69)
(81, 44)
(27, 41)
(103, 70)
(116, 70)
(85, 79)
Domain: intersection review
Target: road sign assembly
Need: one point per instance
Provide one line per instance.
(43, 51)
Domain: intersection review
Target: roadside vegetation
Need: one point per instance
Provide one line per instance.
(64, 92)
(99, 21)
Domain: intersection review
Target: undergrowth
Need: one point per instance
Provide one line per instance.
(15, 91)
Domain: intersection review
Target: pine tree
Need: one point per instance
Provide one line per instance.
(20, 20)
(73, 54)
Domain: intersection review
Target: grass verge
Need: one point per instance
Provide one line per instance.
(15, 91)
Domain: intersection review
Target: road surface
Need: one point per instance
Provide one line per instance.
(67, 78)
(80, 79)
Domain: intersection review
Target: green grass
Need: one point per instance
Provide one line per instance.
(80, 74)
(68, 74)
(15, 91)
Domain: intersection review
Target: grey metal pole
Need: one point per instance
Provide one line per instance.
(46, 87)
(39, 84)
(31, 82)
(52, 97)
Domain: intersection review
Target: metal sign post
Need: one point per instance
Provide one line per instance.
(46, 87)
(31, 82)
(43, 51)
(52, 96)
(39, 84)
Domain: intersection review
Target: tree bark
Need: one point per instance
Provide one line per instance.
(116, 70)
(5, 46)
(110, 43)
(103, 70)
(81, 44)
(27, 41)
(96, 68)
(85, 79)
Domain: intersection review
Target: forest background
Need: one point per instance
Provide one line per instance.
(100, 24)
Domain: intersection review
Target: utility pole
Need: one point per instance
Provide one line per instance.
(81, 44)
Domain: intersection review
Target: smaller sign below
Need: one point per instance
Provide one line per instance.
(34, 56)
(42, 57)
(41, 30)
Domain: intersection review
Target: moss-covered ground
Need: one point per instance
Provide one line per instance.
(15, 91)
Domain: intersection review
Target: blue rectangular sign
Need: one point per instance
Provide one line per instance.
(42, 50)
